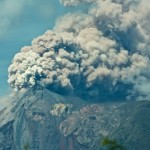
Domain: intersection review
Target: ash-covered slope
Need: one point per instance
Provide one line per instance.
(43, 120)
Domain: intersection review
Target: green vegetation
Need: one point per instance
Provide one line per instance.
(111, 144)
(26, 147)
(106, 143)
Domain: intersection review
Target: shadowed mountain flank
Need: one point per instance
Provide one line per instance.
(44, 120)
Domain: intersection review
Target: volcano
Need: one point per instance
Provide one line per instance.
(43, 120)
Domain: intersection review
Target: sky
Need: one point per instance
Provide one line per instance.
(20, 22)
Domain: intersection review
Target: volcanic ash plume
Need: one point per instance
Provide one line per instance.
(103, 54)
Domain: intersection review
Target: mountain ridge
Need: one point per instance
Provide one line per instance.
(45, 120)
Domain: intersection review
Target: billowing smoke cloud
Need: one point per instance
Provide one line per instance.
(103, 54)
(75, 2)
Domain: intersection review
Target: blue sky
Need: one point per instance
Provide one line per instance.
(20, 22)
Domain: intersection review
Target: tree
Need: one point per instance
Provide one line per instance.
(111, 144)
(26, 147)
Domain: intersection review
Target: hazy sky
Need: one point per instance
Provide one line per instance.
(20, 22)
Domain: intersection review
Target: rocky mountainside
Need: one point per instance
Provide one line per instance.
(43, 120)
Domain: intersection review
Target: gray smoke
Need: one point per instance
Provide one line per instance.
(75, 2)
(103, 54)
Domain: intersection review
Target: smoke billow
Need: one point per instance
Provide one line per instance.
(102, 54)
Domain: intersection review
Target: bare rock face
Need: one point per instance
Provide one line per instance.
(43, 120)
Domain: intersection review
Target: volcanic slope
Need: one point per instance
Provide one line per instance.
(43, 120)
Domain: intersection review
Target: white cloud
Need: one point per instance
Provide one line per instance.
(11, 12)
